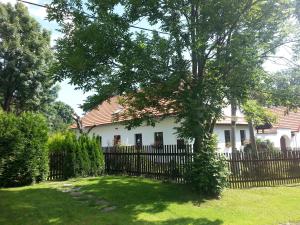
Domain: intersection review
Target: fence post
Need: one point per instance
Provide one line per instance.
(138, 159)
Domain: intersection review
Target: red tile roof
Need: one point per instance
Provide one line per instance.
(290, 120)
(104, 114)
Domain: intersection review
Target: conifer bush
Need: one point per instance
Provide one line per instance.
(208, 174)
(23, 152)
(83, 155)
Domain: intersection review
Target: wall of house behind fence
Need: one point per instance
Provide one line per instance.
(167, 126)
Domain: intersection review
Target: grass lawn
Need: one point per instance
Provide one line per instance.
(144, 201)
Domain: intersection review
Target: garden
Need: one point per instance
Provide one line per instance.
(88, 196)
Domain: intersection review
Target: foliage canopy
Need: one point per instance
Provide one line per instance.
(25, 57)
(208, 52)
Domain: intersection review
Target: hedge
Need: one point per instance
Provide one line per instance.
(23, 152)
(84, 156)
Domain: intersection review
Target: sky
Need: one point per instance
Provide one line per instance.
(75, 98)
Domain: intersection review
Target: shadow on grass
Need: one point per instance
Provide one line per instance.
(132, 196)
(135, 196)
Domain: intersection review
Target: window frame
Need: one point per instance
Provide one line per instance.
(227, 137)
(135, 139)
(159, 143)
(117, 141)
(243, 139)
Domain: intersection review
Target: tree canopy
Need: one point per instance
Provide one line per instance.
(203, 54)
(59, 116)
(25, 57)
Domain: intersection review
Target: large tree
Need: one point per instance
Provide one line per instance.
(25, 57)
(59, 116)
(204, 54)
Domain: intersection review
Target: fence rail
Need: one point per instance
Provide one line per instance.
(171, 162)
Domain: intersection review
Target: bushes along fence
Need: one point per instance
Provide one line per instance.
(74, 157)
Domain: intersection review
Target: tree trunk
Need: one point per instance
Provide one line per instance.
(233, 124)
(196, 146)
(252, 137)
(6, 104)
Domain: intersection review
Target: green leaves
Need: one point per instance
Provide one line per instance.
(258, 114)
(23, 152)
(59, 116)
(25, 58)
(208, 174)
(83, 154)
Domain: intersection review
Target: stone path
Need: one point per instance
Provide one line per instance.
(92, 201)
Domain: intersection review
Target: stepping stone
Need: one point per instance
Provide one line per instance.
(66, 191)
(89, 196)
(75, 194)
(76, 189)
(76, 197)
(101, 202)
(109, 209)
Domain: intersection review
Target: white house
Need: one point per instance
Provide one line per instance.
(285, 133)
(164, 132)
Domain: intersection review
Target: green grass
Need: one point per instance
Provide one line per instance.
(143, 201)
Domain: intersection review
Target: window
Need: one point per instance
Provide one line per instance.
(227, 137)
(243, 136)
(158, 139)
(117, 140)
(138, 140)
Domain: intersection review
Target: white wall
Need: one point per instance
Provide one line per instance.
(219, 131)
(166, 126)
(275, 138)
(107, 133)
(271, 137)
(296, 141)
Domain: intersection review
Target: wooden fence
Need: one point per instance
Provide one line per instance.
(167, 162)
(56, 162)
(263, 169)
(171, 162)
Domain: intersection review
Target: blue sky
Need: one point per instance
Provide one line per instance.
(73, 97)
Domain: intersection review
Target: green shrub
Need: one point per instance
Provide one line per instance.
(23, 152)
(56, 141)
(262, 146)
(208, 173)
(83, 156)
